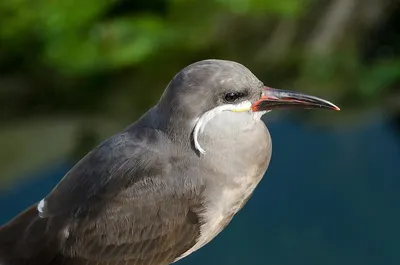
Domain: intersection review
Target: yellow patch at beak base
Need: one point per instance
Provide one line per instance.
(241, 110)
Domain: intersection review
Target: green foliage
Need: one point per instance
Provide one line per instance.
(257, 7)
(380, 77)
(75, 37)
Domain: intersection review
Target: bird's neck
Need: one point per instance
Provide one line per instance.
(177, 128)
(231, 132)
(228, 132)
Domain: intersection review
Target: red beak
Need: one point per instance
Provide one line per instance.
(281, 99)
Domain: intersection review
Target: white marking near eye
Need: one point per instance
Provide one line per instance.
(209, 115)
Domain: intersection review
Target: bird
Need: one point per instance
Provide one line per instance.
(167, 184)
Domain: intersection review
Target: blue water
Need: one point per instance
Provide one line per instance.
(329, 197)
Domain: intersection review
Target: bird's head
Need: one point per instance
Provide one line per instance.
(206, 88)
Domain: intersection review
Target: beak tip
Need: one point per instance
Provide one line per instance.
(334, 107)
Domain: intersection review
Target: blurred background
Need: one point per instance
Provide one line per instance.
(72, 73)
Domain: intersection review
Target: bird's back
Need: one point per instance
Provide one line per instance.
(121, 204)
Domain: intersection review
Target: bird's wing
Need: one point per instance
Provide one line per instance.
(121, 204)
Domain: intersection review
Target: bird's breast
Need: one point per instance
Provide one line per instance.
(238, 151)
(221, 203)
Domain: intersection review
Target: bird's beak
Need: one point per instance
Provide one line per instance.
(276, 99)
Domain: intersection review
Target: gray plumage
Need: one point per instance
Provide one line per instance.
(147, 196)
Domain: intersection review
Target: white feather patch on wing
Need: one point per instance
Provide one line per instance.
(206, 117)
(42, 208)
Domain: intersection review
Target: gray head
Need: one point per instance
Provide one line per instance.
(206, 88)
(208, 84)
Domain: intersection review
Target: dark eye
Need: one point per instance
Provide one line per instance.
(233, 96)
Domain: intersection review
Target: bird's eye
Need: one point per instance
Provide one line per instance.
(233, 96)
